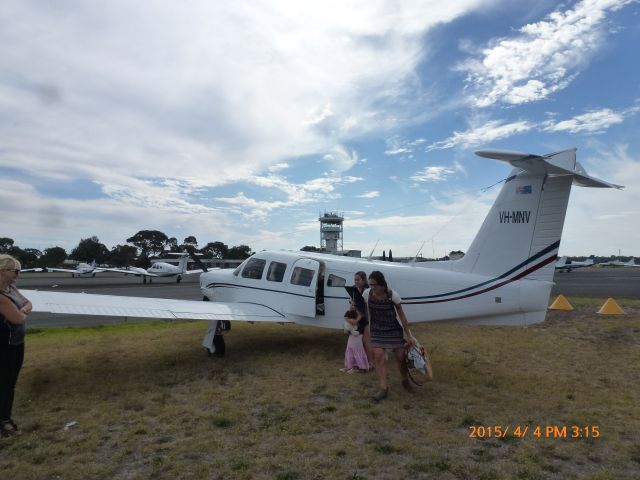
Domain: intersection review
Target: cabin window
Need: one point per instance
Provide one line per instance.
(336, 281)
(236, 272)
(302, 276)
(276, 271)
(254, 268)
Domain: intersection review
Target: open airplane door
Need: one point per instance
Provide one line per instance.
(301, 286)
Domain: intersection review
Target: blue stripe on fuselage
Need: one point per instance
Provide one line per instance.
(531, 259)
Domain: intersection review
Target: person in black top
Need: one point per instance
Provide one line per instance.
(14, 308)
(360, 285)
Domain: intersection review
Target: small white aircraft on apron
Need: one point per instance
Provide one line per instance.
(505, 278)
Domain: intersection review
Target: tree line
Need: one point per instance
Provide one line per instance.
(138, 251)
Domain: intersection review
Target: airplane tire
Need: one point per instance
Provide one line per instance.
(205, 299)
(178, 279)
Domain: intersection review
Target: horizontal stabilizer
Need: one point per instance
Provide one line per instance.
(551, 164)
(120, 306)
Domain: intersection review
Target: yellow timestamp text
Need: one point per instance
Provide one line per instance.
(535, 431)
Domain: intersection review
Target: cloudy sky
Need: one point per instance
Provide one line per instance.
(242, 121)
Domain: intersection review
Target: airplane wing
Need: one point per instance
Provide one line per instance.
(68, 270)
(120, 306)
(189, 272)
(129, 272)
(31, 270)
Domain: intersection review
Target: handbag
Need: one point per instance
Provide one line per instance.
(418, 359)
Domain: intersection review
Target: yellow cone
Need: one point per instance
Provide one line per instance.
(610, 307)
(561, 303)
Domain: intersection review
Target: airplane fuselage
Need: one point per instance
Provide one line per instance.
(430, 291)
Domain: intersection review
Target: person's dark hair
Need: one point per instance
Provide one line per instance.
(378, 277)
(363, 277)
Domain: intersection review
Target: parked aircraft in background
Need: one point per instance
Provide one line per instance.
(505, 277)
(565, 265)
(620, 263)
(82, 270)
(161, 269)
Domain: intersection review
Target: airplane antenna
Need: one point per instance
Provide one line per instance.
(192, 253)
(415, 258)
(373, 250)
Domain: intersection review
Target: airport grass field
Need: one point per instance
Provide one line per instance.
(143, 400)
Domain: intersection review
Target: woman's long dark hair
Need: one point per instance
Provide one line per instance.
(378, 277)
(363, 277)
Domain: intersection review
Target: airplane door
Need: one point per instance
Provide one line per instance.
(301, 285)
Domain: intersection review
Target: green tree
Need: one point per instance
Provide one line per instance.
(172, 245)
(150, 242)
(239, 252)
(143, 261)
(5, 244)
(52, 257)
(215, 250)
(123, 255)
(191, 240)
(28, 257)
(90, 249)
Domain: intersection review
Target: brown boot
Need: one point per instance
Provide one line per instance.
(382, 394)
(406, 383)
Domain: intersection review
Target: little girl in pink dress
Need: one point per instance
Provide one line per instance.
(355, 357)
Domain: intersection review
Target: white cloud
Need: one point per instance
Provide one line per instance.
(481, 135)
(433, 174)
(250, 207)
(315, 190)
(596, 121)
(340, 159)
(543, 58)
(455, 220)
(38, 222)
(156, 103)
(592, 122)
(603, 221)
(373, 194)
(278, 166)
(223, 89)
(397, 146)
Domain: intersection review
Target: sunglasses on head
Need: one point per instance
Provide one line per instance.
(14, 270)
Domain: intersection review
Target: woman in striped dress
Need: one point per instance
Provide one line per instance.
(389, 330)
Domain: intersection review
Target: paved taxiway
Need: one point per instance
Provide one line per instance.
(616, 282)
(602, 282)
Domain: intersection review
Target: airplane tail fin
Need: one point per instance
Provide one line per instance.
(521, 234)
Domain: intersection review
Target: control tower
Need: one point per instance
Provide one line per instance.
(331, 232)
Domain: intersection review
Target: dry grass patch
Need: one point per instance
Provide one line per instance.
(148, 402)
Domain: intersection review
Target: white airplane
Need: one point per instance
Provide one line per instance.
(566, 265)
(82, 270)
(620, 263)
(161, 269)
(505, 278)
